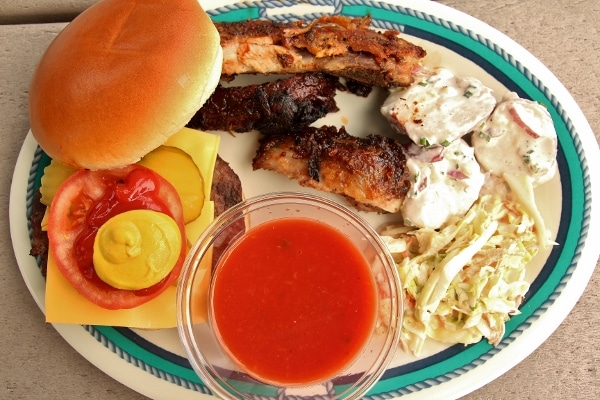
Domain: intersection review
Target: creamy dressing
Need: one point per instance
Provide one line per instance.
(515, 136)
(446, 182)
(518, 137)
(438, 108)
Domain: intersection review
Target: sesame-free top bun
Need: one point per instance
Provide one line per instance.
(121, 78)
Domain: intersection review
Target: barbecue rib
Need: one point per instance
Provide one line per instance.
(270, 107)
(338, 45)
(371, 172)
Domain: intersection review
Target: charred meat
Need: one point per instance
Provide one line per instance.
(270, 107)
(226, 192)
(39, 238)
(370, 172)
(337, 45)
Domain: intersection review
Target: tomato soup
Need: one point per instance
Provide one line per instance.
(294, 301)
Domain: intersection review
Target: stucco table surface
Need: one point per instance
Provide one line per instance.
(37, 11)
(36, 363)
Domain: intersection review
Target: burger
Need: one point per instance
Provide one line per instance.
(129, 187)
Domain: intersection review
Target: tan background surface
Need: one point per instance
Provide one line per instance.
(35, 363)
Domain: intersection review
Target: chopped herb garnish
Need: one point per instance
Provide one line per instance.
(424, 142)
(485, 136)
(446, 143)
(423, 83)
(527, 158)
(468, 93)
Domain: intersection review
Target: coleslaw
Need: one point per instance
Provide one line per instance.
(462, 282)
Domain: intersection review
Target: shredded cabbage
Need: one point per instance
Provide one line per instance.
(463, 282)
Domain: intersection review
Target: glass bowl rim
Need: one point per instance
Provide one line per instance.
(184, 325)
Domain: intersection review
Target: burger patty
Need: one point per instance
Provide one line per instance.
(39, 238)
(226, 191)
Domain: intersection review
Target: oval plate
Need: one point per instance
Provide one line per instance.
(153, 363)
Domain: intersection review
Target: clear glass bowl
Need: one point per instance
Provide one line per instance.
(206, 354)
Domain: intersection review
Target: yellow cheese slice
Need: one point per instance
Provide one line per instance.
(65, 305)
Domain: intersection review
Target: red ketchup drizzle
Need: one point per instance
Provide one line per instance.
(137, 191)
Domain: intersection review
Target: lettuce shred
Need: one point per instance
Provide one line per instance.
(464, 281)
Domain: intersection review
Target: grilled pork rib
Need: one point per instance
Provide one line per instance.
(338, 45)
(270, 107)
(370, 172)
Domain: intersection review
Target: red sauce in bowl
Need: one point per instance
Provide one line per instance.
(294, 302)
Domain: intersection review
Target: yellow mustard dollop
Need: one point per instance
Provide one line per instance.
(136, 249)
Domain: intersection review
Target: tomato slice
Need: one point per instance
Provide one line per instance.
(83, 203)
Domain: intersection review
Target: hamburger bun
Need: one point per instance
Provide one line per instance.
(121, 78)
